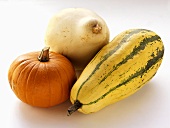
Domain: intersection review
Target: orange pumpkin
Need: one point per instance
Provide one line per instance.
(42, 79)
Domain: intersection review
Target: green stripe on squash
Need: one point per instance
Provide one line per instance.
(124, 40)
(134, 52)
(149, 64)
(120, 79)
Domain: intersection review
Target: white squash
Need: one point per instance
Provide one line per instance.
(78, 34)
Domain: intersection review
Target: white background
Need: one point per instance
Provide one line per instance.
(22, 28)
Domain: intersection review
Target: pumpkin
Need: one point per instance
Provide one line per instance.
(42, 79)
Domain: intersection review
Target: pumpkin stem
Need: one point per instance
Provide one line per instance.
(44, 55)
(74, 107)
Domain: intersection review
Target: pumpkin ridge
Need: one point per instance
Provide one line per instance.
(69, 81)
(64, 67)
(47, 71)
(29, 75)
(16, 65)
(19, 66)
(61, 84)
(35, 85)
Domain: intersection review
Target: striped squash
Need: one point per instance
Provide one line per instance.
(118, 70)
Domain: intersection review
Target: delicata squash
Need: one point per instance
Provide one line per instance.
(119, 69)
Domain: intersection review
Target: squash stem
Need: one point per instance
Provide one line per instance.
(44, 55)
(74, 107)
(96, 29)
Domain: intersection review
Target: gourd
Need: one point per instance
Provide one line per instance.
(41, 79)
(78, 34)
(118, 70)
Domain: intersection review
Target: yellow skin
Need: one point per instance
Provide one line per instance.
(123, 77)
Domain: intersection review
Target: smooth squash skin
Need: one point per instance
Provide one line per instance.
(78, 34)
(119, 69)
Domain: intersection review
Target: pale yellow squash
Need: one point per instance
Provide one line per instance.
(78, 34)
